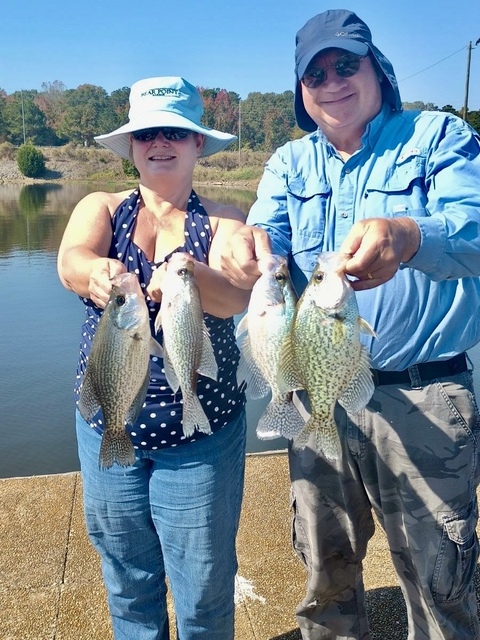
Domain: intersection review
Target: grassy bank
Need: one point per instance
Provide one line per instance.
(72, 163)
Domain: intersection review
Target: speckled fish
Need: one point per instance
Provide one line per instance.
(187, 347)
(118, 369)
(260, 336)
(323, 353)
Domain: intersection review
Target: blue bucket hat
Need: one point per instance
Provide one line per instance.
(338, 29)
(167, 101)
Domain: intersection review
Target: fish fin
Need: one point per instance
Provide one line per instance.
(248, 371)
(137, 404)
(208, 365)
(360, 388)
(170, 374)
(365, 328)
(116, 447)
(158, 321)
(88, 404)
(156, 348)
(280, 419)
(242, 326)
(326, 441)
(194, 418)
(288, 378)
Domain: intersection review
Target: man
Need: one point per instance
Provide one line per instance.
(399, 192)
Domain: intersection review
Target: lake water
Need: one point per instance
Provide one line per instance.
(40, 330)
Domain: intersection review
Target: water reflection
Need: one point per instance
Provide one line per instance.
(40, 328)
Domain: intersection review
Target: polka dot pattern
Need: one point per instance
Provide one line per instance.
(160, 421)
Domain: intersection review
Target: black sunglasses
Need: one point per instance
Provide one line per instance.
(169, 133)
(346, 66)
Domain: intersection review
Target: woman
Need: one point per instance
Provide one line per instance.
(175, 511)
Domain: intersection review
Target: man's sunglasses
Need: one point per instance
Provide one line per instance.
(169, 133)
(346, 66)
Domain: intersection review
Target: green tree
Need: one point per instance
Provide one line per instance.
(419, 106)
(88, 112)
(23, 119)
(260, 112)
(3, 126)
(277, 129)
(120, 105)
(473, 119)
(51, 100)
(449, 109)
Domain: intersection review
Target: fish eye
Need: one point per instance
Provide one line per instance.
(279, 277)
(319, 277)
(120, 300)
(182, 272)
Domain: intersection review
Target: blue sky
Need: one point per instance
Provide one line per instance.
(241, 46)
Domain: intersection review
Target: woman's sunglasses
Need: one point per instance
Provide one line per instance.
(346, 66)
(169, 133)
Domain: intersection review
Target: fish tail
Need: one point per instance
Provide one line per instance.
(267, 427)
(194, 418)
(280, 419)
(116, 447)
(326, 440)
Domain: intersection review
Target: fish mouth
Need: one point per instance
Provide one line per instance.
(333, 312)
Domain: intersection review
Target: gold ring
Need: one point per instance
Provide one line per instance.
(370, 277)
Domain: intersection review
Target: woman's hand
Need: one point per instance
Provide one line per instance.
(100, 282)
(154, 289)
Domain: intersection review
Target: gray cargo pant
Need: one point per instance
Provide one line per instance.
(412, 457)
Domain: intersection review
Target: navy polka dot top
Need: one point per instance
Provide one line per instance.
(160, 421)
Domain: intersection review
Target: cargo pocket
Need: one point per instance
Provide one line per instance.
(299, 539)
(457, 556)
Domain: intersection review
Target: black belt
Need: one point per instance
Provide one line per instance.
(424, 372)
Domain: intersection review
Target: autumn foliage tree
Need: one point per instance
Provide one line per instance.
(57, 115)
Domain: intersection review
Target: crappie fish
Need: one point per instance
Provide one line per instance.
(118, 369)
(186, 343)
(260, 335)
(323, 353)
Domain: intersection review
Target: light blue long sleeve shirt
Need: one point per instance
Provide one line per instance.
(425, 165)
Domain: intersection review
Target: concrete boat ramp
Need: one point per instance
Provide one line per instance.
(51, 586)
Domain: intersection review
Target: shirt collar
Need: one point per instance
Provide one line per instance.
(369, 138)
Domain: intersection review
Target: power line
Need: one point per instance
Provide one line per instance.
(432, 65)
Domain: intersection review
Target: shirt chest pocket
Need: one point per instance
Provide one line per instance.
(400, 191)
(307, 202)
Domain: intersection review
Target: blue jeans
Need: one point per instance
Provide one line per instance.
(175, 514)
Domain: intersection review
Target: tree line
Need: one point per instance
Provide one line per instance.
(56, 115)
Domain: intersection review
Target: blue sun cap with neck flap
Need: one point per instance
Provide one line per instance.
(339, 29)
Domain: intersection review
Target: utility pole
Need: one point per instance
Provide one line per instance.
(239, 131)
(23, 117)
(467, 80)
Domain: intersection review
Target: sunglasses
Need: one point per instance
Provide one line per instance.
(346, 66)
(169, 133)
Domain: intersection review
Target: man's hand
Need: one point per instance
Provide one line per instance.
(242, 252)
(377, 247)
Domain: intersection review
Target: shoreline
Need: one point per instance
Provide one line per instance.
(100, 167)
